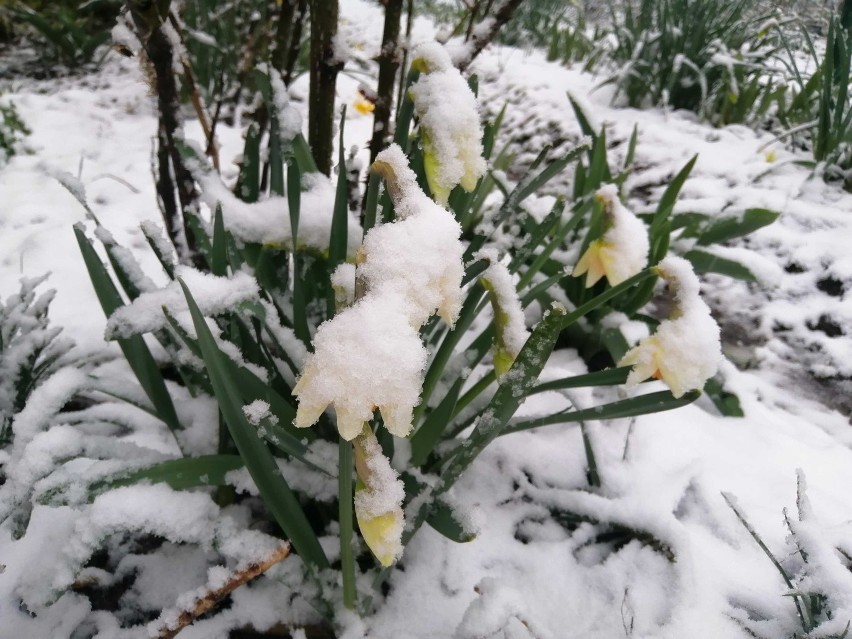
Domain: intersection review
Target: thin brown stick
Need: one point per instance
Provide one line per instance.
(479, 41)
(212, 596)
(197, 102)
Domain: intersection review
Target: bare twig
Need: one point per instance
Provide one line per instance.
(478, 41)
(212, 596)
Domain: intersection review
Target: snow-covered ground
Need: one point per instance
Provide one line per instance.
(692, 571)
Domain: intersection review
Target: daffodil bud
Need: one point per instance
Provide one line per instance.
(684, 351)
(450, 131)
(510, 328)
(378, 499)
(622, 251)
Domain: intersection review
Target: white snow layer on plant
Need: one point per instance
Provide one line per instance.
(213, 294)
(449, 121)
(685, 350)
(268, 221)
(370, 354)
(622, 251)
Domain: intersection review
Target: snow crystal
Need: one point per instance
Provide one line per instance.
(365, 357)
(685, 349)
(268, 221)
(449, 120)
(378, 500)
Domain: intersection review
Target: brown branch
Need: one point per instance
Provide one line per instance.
(212, 596)
(324, 69)
(479, 41)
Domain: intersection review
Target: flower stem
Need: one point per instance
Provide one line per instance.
(345, 505)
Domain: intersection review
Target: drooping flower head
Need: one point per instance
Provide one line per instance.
(370, 354)
(449, 123)
(622, 251)
(685, 350)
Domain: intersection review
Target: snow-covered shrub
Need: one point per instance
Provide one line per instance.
(29, 350)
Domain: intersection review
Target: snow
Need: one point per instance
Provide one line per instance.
(214, 295)
(528, 570)
(510, 321)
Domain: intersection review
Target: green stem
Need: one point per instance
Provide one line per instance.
(345, 507)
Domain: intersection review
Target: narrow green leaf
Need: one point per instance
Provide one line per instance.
(445, 521)
(276, 158)
(303, 155)
(248, 183)
(633, 407)
(180, 474)
(704, 262)
(732, 227)
(667, 202)
(406, 113)
(608, 377)
(429, 434)
(273, 488)
(134, 348)
(219, 248)
(340, 218)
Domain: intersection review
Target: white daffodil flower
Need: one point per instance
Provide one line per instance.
(370, 354)
(450, 129)
(622, 251)
(685, 350)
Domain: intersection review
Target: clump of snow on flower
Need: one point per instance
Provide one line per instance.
(622, 251)
(370, 354)
(685, 350)
(509, 319)
(365, 357)
(449, 121)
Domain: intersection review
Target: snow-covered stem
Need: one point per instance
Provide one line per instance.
(206, 601)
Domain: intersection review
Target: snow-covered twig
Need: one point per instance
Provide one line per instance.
(175, 621)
